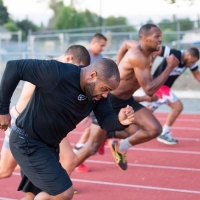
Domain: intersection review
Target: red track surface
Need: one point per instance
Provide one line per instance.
(156, 171)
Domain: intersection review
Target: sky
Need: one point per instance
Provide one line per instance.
(136, 11)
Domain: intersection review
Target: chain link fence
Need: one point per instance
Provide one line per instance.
(48, 44)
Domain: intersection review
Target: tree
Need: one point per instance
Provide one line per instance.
(69, 18)
(91, 19)
(11, 26)
(4, 16)
(185, 24)
(26, 25)
(113, 21)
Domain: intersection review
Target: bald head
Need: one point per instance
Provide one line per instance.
(145, 29)
(106, 68)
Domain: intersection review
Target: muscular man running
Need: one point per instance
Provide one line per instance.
(135, 72)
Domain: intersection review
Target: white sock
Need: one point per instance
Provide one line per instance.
(78, 145)
(166, 129)
(124, 145)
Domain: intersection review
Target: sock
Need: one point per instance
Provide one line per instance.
(166, 129)
(124, 145)
(78, 145)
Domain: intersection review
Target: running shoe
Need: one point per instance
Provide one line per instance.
(101, 149)
(120, 158)
(167, 139)
(76, 149)
(75, 191)
(82, 168)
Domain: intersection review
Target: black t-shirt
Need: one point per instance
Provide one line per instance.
(58, 104)
(177, 71)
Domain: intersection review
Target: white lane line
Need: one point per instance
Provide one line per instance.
(185, 128)
(141, 165)
(165, 151)
(156, 150)
(131, 185)
(180, 120)
(188, 139)
(146, 166)
(2, 198)
(136, 186)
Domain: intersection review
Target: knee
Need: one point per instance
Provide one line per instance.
(155, 131)
(70, 162)
(179, 107)
(5, 173)
(68, 194)
(94, 147)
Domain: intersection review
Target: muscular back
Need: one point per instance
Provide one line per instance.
(133, 67)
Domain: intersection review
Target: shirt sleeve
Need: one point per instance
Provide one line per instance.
(107, 117)
(42, 73)
(194, 67)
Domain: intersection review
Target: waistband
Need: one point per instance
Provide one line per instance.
(19, 131)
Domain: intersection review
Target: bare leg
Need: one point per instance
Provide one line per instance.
(7, 163)
(68, 158)
(84, 137)
(97, 136)
(149, 129)
(177, 108)
(67, 195)
(127, 132)
(28, 196)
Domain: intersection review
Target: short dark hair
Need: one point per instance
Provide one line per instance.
(106, 68)
(144, 30)
(194, 52)
(99, 36)
(80, 54)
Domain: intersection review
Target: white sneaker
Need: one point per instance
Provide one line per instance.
(167, 139)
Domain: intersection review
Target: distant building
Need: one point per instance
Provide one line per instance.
(5, 34)
(192, 37)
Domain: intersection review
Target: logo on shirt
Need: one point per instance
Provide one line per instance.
(81, 97)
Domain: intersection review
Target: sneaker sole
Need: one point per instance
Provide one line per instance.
(165, 142)
(113, 153)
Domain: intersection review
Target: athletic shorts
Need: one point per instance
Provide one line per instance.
(118, 103)
(165, 94)
(7, 132)
(39, 162)
(27, 186)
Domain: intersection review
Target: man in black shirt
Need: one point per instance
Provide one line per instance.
(64, 95)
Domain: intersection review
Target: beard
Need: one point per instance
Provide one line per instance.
(89, 90)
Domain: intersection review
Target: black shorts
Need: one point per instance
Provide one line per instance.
(117, 104)
(27, 186)
(39, 163)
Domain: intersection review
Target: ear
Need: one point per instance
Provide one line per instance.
(69, 58)
(93, 75)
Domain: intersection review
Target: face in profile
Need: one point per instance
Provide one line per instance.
(154, 39)
(99, 89)
(99, 46)
(189, 60)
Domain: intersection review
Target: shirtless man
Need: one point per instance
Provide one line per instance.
(135, 72)
(75, 54)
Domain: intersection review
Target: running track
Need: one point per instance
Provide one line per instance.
(155, 172)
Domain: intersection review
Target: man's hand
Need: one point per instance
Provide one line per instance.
(152, 99)
(126, 115)
(5, 121)
(172, 61)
